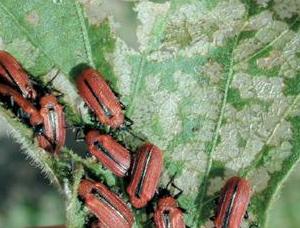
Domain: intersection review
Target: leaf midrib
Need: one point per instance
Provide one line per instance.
(214, 141)
(85, 37)
(136, 87)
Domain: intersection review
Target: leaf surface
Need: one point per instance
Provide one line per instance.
(215, 84)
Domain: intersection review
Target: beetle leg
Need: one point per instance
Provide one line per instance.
(53, 144)
(246, 216)
(179, 189)
(149, 222)
(58, 93)
(34, 82)
(128, 121)
(150, 208)
(122, 105)
(117, 94)
(129, 130)
(183, 210)
(216, 200)
(38, 130)
(119, 97)
(93, 223)
(171, 182)
(75, 127)
(12, 102)
(79, 135)
(94, 118)
(32, 138)
(20, 113)
(67, 126)
(49, 83)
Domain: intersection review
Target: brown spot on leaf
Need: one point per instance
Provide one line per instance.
(33, 18)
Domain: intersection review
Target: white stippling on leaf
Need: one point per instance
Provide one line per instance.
(287, 8)
(148, 14)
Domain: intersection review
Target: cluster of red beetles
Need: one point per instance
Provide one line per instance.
(40, 109)
(36, 107)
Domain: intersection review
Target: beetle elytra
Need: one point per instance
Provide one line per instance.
(146, 172)
(13, 72)
(110, 210)
(54, 132)
(233, 203)
(109, 152)
(99, 97)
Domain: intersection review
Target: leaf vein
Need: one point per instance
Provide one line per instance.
(84, 33)
(252, 166)
(217, 129)
(268, 45)
(136, 87)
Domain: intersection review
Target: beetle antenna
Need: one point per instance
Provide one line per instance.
(127, 127)
(53, 78)
(128, 121)
(179, 189)
(129, 130)
(171, 183)
(57, 93)
(171, 180)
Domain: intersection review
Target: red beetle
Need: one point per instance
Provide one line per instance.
(110, 210)
(29, 111)
(233, 203)
(168, 214)
(54, 132)
(99, 97)
(146, 172)
(109, 152)
(13, 72)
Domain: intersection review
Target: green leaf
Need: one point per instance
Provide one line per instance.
(215, 84)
